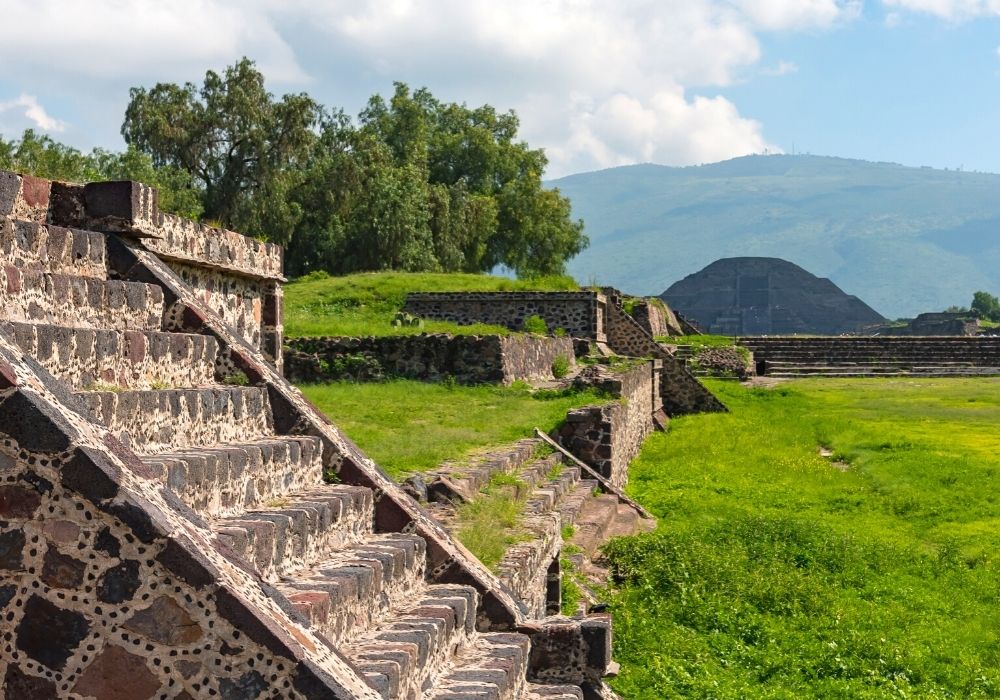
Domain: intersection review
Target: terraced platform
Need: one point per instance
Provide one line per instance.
(930, 356)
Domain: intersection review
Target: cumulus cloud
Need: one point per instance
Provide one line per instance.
(594, 82)
(27, 107)
(798, 14)
(665, 127)
(952, 10)
(132, 39)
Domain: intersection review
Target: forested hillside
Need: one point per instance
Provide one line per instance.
(905, 240)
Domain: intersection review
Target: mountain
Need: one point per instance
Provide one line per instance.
(767, 296)
(904, 239)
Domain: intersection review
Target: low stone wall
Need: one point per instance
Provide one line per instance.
(609, 436)
(470, 359)
(578, 313)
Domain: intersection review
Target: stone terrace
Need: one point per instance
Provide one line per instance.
(165, 527)
(931, 356)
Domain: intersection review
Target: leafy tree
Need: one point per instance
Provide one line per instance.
(241, 145)
(985, 305)
(475, 151)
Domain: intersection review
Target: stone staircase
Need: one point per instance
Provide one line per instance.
(554, 493)
(225, 564)
(909, 356)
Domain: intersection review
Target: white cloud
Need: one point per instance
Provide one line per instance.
(130, 39)
(665, 127)
(798, 14)
(783, 68)
(27, 106)
(594, 82)
(952, 10)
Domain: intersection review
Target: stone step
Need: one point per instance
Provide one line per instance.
(228, 479)
(462, 480)
(926, 374)
(357, 587)
(493, 668)
(594, 522)
(526, 565)
(404, 656)
(85, 302)
(85, 357)
(572, 504)
(165, 420)
(299, 530)
(534, 691)
(30, 246)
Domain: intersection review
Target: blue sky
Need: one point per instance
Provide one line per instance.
(597, 84)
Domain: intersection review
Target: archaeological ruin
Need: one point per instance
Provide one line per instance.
(178, 522)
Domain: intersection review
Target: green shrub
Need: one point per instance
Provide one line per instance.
(236, 379)
(560, 367)
(536, 324)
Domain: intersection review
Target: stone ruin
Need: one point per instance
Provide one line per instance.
(177, 522)
(595, 319)
(767, 296)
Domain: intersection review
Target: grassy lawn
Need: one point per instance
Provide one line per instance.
(776, 574)
(408, 426)
(365, 304)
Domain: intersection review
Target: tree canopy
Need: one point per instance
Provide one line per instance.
(986, 306)
(412, 184)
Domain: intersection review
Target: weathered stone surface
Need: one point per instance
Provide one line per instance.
(247, 687)
(165, 622)
(119, 583)
(117, 674)
(577, 313)
(61, 570)
(19, 684)
(11, 550)
(49, 634)
(18, 501)
(466, 359)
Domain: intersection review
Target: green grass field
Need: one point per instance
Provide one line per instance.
(780, 573)
(408, 426)
(365, 303)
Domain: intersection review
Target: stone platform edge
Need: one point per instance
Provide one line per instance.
(132, 209)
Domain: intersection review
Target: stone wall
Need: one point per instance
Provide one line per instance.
(237, 276)
(609, 436)
(580, 314)
(92, 610)
(936, 324)
(656, 318)
(467, 359)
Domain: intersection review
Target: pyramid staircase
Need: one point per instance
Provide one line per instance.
(177, 521)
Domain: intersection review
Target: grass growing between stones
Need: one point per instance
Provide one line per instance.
(774, 574)
(491, 523)
(366, 303)
(408, 426)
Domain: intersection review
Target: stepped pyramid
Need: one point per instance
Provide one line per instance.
(177, 522)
